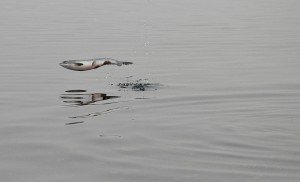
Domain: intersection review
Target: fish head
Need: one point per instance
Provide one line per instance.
(72, 65)
(66, 64)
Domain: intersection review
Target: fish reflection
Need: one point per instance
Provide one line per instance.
(80, 98)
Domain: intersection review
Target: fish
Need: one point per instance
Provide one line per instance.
(90, 64)
(81, 99)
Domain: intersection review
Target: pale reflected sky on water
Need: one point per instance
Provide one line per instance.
(221, 101)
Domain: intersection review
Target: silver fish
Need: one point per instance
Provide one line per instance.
(89, 64)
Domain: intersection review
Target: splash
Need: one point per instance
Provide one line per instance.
(139, 85)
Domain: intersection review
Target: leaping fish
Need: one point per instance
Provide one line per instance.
(89, 64)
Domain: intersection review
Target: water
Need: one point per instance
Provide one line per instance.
(226, 106)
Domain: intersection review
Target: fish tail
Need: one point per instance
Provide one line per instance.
(127, 63)
(120, 63)
(116, 62)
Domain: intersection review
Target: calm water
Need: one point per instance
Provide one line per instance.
(225, 107)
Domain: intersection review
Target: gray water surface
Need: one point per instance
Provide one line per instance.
(225, 107)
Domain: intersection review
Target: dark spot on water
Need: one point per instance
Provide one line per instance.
(138, 87)
(75, 91)
(78, 122)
